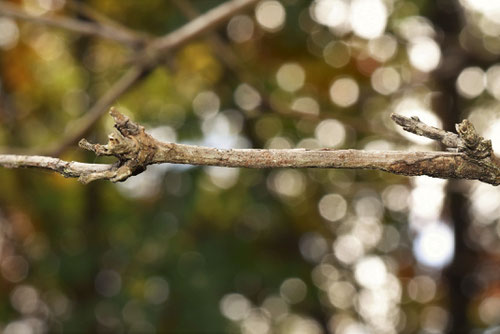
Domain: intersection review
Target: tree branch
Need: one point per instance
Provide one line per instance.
(136, 149)
(201, 24)
(65, 168)
(84, 28)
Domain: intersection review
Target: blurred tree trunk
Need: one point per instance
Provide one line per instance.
(447, 17)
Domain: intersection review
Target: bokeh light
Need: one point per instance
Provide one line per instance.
(493, 81)
(348, 249)
(289, 183)
(383, 48)
(489, 310)
(206, 104)
(337, 54)
(270, 15)
(306, 105)
(332, 207)
(368, 18)
(235, 306)
(422, 289)
(344, 92)
(240, 28)
(330, 133)
(424, 54)
(332, 13)
(434, 245)
(293, 290)
(9, 33)
(471, 82)
(290, 77)
(386, 80)
(247, 97)
(370, 272)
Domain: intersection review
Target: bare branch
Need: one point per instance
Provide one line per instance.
(70, 24)
(136, 149)
(414, 125)
(65, 168)
(201, 24)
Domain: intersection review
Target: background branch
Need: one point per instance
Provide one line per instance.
(90, 13)
(81, 27)
(201, 24)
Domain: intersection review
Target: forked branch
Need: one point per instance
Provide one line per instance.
(135, 149)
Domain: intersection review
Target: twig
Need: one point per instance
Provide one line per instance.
(136, 149)
(67, 23)
(414, 125)
(201, 24)
(65, 168)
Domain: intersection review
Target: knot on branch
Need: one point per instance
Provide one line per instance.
(130, 143)
(473, 144)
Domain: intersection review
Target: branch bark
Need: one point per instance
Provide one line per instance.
(135, 149)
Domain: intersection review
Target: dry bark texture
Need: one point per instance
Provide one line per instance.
(472, 156)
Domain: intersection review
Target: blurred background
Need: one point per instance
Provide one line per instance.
(204, 249)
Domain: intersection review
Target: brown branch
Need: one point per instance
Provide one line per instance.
(136, 149)
(65, 168)
(84, 28)
(201, 24)
(414, 125)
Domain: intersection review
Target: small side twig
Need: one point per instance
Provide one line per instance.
(201, 24)
(414, 125)
(467, 140)
(65, 168)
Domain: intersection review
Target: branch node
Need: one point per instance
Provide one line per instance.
(130, 143)
(473, 144)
